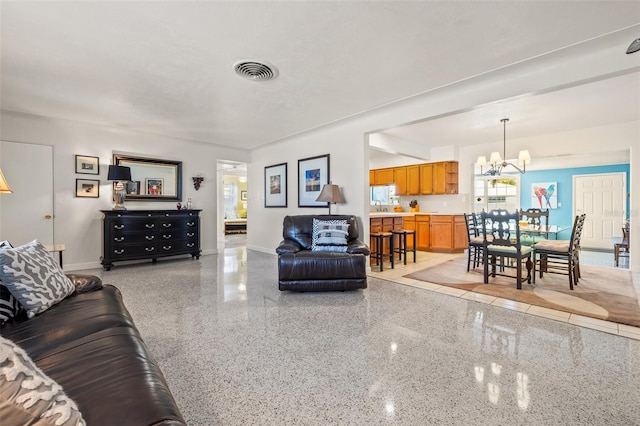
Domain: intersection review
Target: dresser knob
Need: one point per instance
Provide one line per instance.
(166, 225)
(118, 226)
(150, 237)
(150, 248)
(149, 225)
(190, 223)
(118, 239)
(190, 245)
(190, 234)
(167, 236)
(118, 251)
(166, 247)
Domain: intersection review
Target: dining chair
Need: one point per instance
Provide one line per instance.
(621, 248)
(560, 256)
(475, 240)
(501, 245)
(535, 218)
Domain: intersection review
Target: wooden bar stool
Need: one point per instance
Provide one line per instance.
(402, 243)
(377, 252)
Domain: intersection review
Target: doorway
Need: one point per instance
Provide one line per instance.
(27, 213)
(232, 204)
(603, 198)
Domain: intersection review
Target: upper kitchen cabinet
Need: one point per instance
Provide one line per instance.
(383, 177)
(413, 180)
(439, 178)
(426, 178)
(445, 177)
(400, 180)
(419, 179)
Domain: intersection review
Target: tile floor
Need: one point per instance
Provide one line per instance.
(236, 351)
(425, 260)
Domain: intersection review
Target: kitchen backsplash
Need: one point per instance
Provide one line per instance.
(454, 204)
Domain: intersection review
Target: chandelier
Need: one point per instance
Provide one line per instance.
(497, 164)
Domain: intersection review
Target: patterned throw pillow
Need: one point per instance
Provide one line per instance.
(9, 305)
(28, 396)
(33, 277)
(330, 235)
(5, 244)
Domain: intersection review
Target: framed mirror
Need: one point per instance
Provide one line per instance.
(152, 179)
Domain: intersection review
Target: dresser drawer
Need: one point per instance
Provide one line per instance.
(125, 251)
(177, 234)
(131, 225)
(123, 237)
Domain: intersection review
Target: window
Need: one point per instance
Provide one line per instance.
(496, 192)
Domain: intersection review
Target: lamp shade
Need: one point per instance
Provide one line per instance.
(4, 186)
(331, 194)
(495, 157)
(524, 157)
(481, 161)
(119, 173)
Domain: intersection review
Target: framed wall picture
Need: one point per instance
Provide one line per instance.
(133, 187)
(275, 185)
(154, 186)
(86, 165)
(313, 174)
(87, 188)
(544, 195)
(243, 195)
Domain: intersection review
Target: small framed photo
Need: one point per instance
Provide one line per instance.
(154, 186)
(243, 195)
(133, 187)
(313, 174)
(87, 188)
(86, 165)
(275, 185)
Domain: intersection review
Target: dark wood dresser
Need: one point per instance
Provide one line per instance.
(149, 234)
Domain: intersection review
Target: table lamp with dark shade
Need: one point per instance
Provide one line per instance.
(120, 174)
(331, 194)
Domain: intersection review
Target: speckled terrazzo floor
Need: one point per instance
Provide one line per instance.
(236, 351)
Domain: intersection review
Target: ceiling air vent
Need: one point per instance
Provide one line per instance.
(255, 70)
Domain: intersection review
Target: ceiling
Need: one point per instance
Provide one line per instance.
(166, 67)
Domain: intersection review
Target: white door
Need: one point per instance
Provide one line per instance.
(27, 214)
(603, 198)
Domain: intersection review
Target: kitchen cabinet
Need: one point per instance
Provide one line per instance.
(423, 232)
(447, 233)
(409, 224)
(419, 179)
(400, 180)
(413, 180)
(385, 224)
(384, 176)
(445, 177)
(426, 178)
(434, 232)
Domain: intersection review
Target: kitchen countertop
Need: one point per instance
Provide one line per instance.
(405, 214)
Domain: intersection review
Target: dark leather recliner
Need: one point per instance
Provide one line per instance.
(302, 269)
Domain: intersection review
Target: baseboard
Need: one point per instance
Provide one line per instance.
(262, 249)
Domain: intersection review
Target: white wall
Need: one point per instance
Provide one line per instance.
(345, 141)
(77, 222)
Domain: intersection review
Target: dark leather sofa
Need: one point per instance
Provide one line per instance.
(302, 269)
(90, 346)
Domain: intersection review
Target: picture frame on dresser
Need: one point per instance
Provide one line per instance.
(313, 174)
(87, 165)
(87, 188)
(275, 185)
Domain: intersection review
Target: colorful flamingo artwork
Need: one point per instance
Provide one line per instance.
(544, 194)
